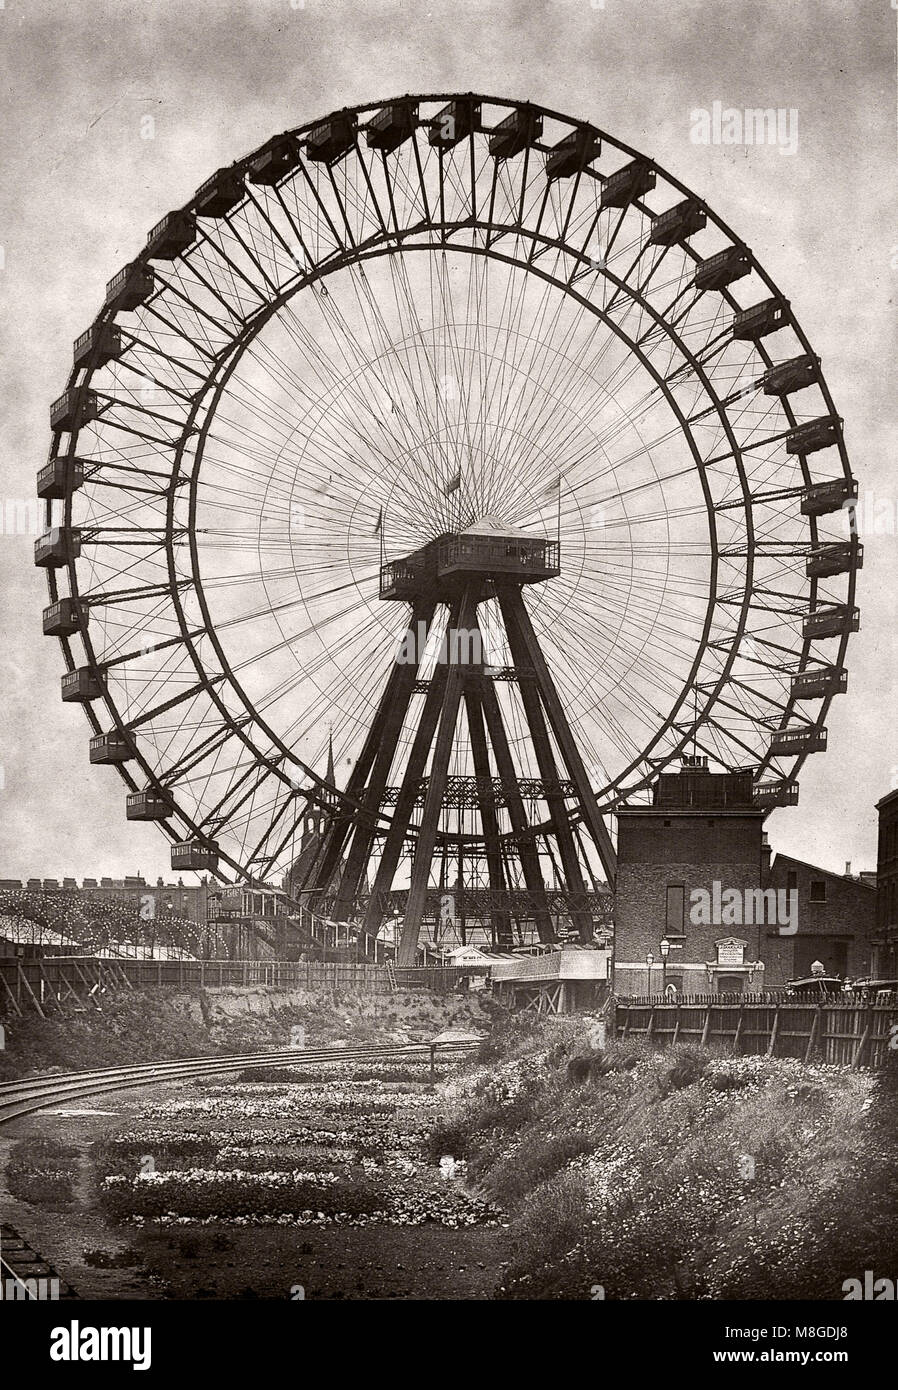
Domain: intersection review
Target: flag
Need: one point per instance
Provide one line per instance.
(380, 521)
(553, 487)
(453, 484)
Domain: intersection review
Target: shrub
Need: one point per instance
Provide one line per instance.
(688, 1064)
(579, 1069)
(42, 1171)
(532, 1162)
(98, 1258)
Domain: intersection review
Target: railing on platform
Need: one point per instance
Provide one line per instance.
(843, 1032)
(45, 983)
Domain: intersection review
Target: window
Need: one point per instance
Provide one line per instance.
(818, 890)
(676, 906)
(791, 880)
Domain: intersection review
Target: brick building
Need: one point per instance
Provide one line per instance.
(694, 870)
(885, 943)
(700, 831)
(181, 899)
(836, 921)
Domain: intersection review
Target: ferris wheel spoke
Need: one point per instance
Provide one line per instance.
(514, 303)
(576, 638)
(254, 661)
(524, 421)
(151, 347)
(241, 791)
(180, 295)
(657, 672)
(580, 390)
(433, 426)
(189, 335)
(409, 441)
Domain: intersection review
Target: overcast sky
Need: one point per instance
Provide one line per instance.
(81, 187)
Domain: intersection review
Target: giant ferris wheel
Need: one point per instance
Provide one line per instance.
(445, 365)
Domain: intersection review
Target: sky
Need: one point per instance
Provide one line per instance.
(84, 175)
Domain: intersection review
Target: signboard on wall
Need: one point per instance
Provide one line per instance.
(730, 951)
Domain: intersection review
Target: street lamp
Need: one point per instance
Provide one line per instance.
(649, 961)
(665, 952)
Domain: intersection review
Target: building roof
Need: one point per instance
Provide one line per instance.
(494, 526)
(826, 873)
(462, 955)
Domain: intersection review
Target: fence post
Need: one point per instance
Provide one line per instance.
(859, 1050)
(34, 1000)
(676, 1031)
(774, 1031)
(433, 1048)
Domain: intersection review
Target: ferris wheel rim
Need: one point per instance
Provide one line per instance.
(234, 353)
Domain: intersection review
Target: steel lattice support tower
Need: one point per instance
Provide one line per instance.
(459, 572)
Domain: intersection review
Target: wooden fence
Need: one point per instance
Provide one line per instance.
(847, 1033)
(46, 983)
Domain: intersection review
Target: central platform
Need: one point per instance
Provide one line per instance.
(487, 549)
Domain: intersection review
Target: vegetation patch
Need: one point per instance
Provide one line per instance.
(383, 1071)
(203, 1193)
(677, 1172)
(42, 1171)
(237, 1161)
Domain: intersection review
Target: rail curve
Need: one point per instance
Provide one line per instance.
(19, 1098)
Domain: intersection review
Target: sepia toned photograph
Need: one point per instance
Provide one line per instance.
(449, 783)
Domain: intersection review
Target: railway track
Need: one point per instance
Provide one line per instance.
(19, 1098)
(26, 1275)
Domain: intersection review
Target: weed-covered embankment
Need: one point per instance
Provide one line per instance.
(156, 1025)
(677, 1173)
